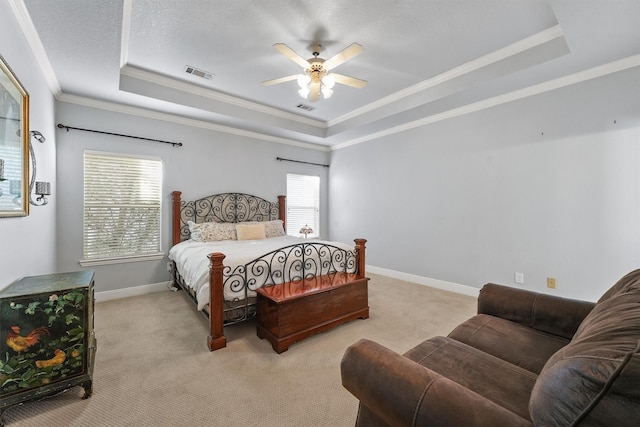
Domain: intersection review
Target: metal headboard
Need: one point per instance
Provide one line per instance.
(227, 207)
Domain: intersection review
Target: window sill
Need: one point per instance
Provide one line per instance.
(121, 260)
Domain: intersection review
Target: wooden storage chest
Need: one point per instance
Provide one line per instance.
(292, 311)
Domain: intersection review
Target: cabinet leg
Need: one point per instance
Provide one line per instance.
(88, 390)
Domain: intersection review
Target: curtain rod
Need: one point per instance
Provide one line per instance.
(61, 126)
(300, 161)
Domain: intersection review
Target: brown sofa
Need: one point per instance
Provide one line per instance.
(525, 359)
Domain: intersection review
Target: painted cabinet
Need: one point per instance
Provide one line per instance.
(47, 342)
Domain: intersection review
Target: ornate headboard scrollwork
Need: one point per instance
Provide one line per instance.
(223, 207)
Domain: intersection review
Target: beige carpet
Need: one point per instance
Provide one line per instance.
(153, 367)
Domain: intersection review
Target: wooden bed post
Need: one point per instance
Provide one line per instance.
(176, 217)
(283, 211)
(360, 255)
(216, 304)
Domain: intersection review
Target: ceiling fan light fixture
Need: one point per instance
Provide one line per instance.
(303, 80)
(324, 84)
(328, 81)
(316, 79)
(304, 92)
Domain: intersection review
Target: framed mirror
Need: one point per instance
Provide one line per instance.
(14, 144)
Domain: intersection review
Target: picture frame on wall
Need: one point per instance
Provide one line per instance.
(14, 144)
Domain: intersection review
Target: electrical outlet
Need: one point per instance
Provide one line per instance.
(169, 265)
(551, 282)
(518, 277)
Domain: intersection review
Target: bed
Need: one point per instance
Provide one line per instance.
(228, 245)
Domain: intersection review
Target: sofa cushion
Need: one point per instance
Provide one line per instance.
(594, 378)
(547, 313)
(506, 385)
(515, 343)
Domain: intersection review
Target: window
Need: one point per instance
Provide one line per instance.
(303, 204)
(122, 208)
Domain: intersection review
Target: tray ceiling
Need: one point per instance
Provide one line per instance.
(424, 60)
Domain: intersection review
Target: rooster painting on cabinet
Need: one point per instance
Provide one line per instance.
(46, 337)
(44, 340)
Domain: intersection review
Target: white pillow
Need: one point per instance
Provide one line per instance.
(249, 231)
(212, 231)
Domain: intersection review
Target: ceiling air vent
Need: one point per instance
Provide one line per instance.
(196, 72)
(305, 107)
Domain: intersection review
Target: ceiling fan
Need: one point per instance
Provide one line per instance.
(317, 78)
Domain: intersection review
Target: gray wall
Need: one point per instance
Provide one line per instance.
(209, 162)
(27, 245)
(546, 186)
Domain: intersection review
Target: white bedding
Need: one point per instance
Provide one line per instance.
(192, 262)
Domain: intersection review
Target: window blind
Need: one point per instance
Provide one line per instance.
(303, 204)
(122, 205)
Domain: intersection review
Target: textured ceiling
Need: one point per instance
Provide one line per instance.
(422, 58)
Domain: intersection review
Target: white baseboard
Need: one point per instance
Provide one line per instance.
(421, 280)
(132, 292)
(426, 281)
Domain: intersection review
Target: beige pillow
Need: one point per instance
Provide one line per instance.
(272, 228)
(250, 231)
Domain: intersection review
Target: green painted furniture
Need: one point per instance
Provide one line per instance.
(47, 343)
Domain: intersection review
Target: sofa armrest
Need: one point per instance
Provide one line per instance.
(402, 392)
(547, 313)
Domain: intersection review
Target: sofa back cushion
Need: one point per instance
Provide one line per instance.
(628, 281)
(594, 378)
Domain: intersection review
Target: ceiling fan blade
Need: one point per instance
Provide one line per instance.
(286, 51)
(349, 81)
(314, 87)
(344, 55)
(280, 80)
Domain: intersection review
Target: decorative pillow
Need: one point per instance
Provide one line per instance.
(595, 375)
(212, 231)
(194, 231)
(274, 228)
(628, 281)
(248, 231)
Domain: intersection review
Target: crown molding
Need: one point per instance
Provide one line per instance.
(192, 89)
(150, 114)
(571, 79)
(558, 83)
(513, 49)
(186, 87)
(30, 33)
(127, 7)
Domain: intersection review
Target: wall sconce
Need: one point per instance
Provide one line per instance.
(306, 230)
(42, 188)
